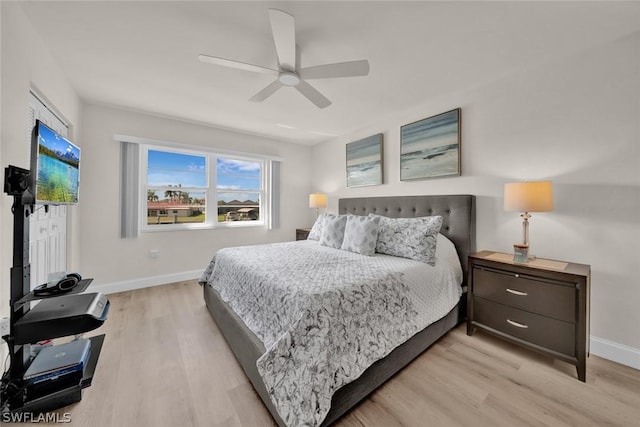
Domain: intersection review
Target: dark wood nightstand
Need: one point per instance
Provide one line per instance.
(302, 233)
(542, 305)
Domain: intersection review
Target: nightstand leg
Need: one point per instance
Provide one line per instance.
(469, 328)
(581, 367)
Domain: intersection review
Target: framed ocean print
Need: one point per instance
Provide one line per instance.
(364, 161)
(430, 148)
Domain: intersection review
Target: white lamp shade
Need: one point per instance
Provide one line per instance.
(528, 196)
(317, 200)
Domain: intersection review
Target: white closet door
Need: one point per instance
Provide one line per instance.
(48, 231)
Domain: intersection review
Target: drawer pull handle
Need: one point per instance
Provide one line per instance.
(517, 324)
(511, 291)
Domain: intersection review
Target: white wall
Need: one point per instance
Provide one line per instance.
(111, 260)
(574, 121)
(26, 64)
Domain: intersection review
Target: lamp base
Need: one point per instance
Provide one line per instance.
(520, 253)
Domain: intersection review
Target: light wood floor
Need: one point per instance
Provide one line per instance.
(165, 363)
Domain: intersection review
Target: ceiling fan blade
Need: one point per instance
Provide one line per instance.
(340, 69)
(266, 92)
(236, 64)
(312, 94)
(284, 36)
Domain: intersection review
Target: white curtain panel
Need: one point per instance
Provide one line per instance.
(274, 195)
(129, 189)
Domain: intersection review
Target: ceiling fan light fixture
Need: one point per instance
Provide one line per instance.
(289, 78)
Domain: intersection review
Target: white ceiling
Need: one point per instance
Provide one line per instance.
(143, 55)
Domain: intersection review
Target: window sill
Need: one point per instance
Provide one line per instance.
(170, 227)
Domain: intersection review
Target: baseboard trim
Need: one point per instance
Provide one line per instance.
(615, 352)
(144, 282)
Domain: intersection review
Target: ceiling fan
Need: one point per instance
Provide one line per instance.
(288, 72)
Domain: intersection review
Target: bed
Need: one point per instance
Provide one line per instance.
(458, 214)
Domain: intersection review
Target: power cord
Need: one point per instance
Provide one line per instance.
(9, 389)
(5, 383)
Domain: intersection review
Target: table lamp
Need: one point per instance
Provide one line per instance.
(528, 197)
(317, 200)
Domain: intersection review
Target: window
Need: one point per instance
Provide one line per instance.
(190, 189)
(176, 182)
(239, 189)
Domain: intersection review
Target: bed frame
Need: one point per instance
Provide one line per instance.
(458, 213)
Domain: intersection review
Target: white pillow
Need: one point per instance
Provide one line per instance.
(414, 238)
(333, 231)
(361, 234)
(316, 230)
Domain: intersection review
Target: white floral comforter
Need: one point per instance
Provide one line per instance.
(324, 315)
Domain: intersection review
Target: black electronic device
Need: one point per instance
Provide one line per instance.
(63, 381)
(16, 180)
(61, 316)
(63, 286)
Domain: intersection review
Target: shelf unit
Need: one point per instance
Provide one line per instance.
(14, 398)
(79, 288)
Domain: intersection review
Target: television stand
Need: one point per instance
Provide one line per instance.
(52, 320)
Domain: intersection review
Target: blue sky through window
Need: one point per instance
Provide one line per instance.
(168, 168)
(237, 175)
(235, 179)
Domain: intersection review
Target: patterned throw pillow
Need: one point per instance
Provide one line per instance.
(333, 231)
(316, 230)
(361, 234)
(414, 238)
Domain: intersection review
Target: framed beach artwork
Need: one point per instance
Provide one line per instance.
(430, 148)
(364, 162)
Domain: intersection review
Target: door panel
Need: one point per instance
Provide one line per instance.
(48, 231)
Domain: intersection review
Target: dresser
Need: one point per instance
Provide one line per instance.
(542, 305)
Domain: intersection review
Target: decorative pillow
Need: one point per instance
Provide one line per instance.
(361, 234)
(316, 230)
(333, 231)
(414, 238)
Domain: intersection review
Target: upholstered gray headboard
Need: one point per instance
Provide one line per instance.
(458, 212)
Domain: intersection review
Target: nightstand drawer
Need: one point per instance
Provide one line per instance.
(531, 294)
(549, 333)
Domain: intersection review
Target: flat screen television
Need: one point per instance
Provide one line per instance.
(55, 167)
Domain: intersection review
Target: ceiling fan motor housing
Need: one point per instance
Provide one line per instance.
(289, 78)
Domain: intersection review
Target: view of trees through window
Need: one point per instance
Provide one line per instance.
(177, 188)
